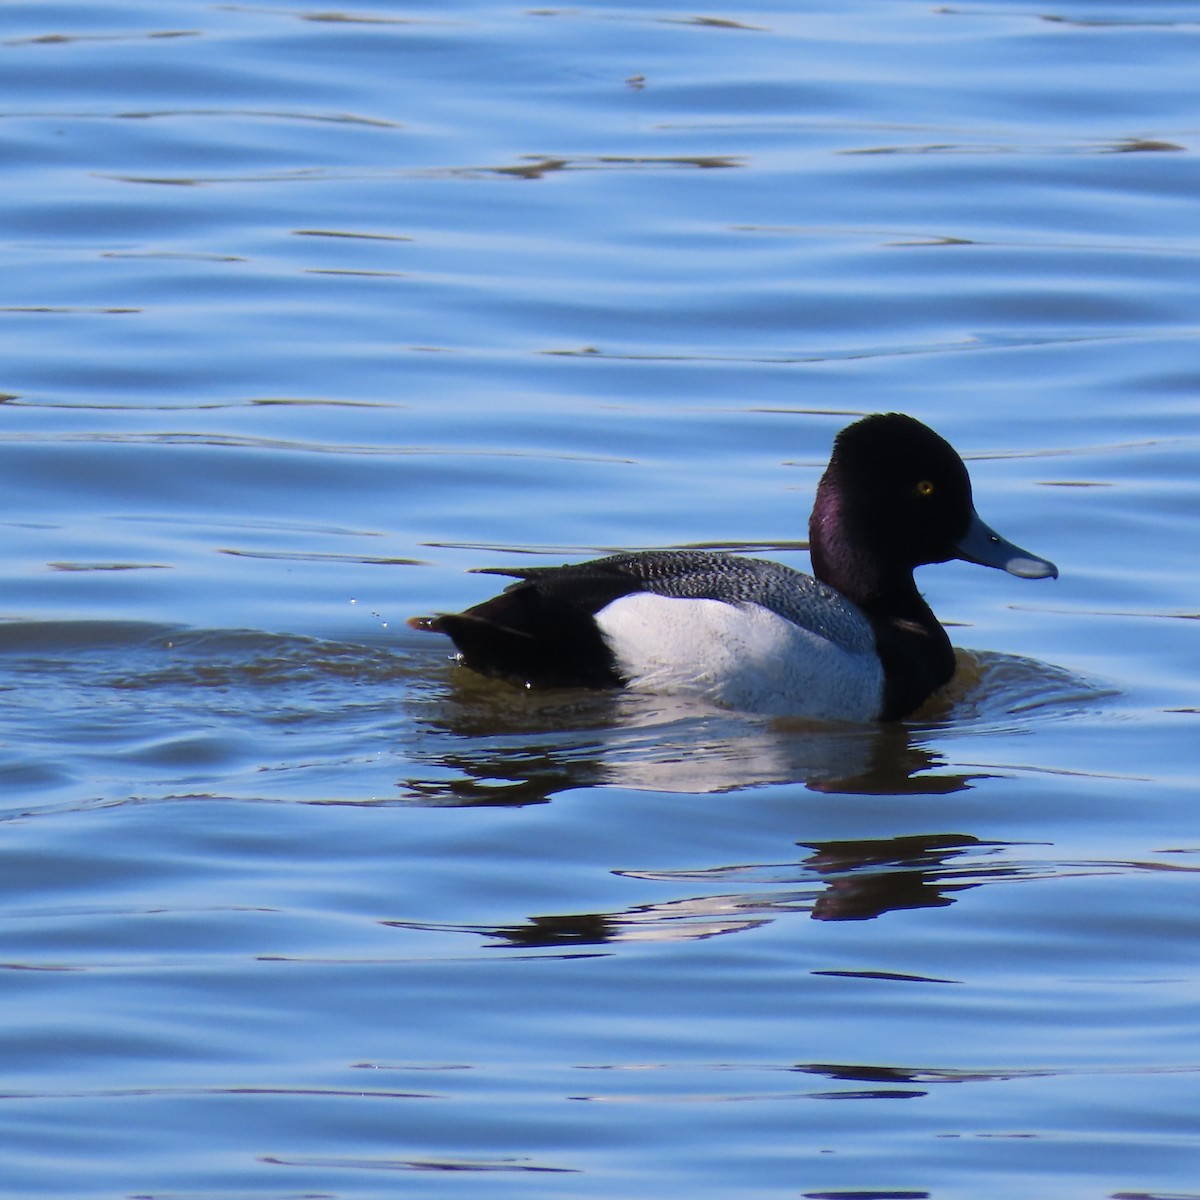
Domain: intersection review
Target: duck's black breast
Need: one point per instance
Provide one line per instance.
(917, 659)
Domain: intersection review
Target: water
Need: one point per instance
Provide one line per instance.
(305, 313)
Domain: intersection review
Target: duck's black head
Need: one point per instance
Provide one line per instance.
(895, 496)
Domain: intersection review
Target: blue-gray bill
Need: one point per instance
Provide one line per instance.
(985, 546)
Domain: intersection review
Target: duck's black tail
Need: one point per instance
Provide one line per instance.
(530, 635)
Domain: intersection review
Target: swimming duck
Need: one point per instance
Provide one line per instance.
(856, 643)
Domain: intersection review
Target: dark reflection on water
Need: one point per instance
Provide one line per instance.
(873, 877)
(867, 1195)
(840, 881)
(536, 168)
(470, 1166)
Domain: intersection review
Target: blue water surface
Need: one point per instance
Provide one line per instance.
(305, 312)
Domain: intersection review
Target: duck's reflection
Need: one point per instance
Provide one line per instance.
(837, 881)
(485, 744)
(868, 878)
(492, 744)
(495, 746)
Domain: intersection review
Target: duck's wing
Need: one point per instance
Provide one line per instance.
(709, 575)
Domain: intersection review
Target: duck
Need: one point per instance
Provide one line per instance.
(854, 641)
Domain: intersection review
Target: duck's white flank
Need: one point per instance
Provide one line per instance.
(742, 656)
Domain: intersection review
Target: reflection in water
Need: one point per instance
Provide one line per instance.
(868, 1195)
(506, 785)
(448, 1165)
(454, 739)
(530, 745)
(480, 743)
(496, 741)
(868, 878)
(530, 167)
(839, 881)
(534, 166)
(863, 1073)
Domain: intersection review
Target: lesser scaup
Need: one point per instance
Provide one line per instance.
(856, 643)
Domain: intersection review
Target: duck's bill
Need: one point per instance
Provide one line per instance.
(985, 546)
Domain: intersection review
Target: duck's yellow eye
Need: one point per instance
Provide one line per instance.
(925, 488)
